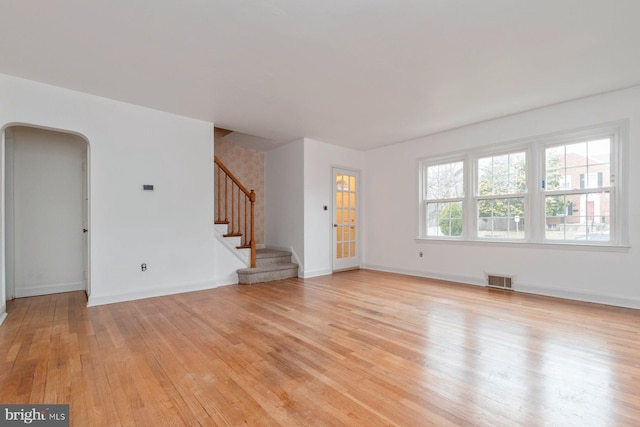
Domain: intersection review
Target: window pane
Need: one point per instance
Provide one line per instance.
(578, 217)
(501, 218)
(555, 158)
(504, 174)
(517, 173)
(599, 151)
(444, 219)
(445, 181)
(578, 166)
(342, 182)
(576, 154)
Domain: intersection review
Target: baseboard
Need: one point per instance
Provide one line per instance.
(428, 275)
(3, 313)
(151, 293)
(315, 273)
(56, 288)
(572, 294)
(580, 295)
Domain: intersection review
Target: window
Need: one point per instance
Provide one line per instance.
(561, 189)
(443, 196)
(500, 201)
(578, 209)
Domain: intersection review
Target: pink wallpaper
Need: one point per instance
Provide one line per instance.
(248, 166)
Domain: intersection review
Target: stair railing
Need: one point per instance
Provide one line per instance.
(235, 207)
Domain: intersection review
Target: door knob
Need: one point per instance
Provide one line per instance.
(84, 230)
(335, 225)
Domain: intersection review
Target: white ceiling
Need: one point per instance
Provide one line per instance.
(357, 73)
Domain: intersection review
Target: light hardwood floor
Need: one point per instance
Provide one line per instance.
(358, 348)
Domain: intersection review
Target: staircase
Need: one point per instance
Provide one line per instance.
(234, 228)
(271, 265)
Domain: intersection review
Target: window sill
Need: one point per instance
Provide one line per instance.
(529, 245)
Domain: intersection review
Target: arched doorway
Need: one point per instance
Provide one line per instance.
(46, 212)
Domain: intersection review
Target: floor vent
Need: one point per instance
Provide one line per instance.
(500, 282)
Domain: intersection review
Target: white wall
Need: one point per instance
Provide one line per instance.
(284, 199)
(298, 186)
(319, 160)
(170, 229)
(591, 275)
(46, 203)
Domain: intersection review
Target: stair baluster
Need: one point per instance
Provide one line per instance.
(233, 209)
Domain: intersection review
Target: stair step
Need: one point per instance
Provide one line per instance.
(266, 257)
(248, 276)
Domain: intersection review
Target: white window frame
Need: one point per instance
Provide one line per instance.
(618, 133)
(535, 209)
(476, 189)
(422, 205)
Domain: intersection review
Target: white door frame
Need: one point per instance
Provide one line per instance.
(352, 262)
(8, 289)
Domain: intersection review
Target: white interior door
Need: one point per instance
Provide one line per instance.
(346, 227)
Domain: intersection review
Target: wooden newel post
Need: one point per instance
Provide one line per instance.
(252, 199)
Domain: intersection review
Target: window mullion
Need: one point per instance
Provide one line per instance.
(536, 201)
(469, 208)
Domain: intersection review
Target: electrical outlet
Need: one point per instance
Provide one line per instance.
(420, 254)
(143, 266)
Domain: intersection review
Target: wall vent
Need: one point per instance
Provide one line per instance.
(500, 282)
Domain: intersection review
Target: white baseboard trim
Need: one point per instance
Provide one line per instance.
(151, 293)
(56, 288)
(315, 273)
(572, 294)
(296, 260)
(580, 295)
(3, 313)
(428, 274)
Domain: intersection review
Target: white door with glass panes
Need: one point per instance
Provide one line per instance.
(346, 227)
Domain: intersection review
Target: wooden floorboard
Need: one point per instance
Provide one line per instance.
(359, 348)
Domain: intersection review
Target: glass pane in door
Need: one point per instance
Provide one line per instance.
(345, 215)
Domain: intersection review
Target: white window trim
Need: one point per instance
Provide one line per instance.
(422, 200)
(534, 197)
(475, 157)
